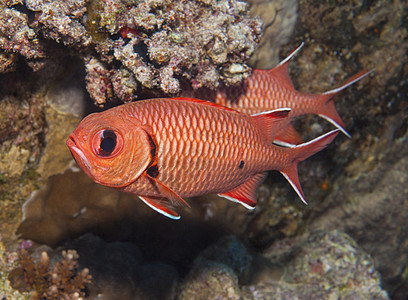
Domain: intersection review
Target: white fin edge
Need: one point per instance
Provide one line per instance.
(283, 144)
(337, 125)
(340, 88)
(295, 188)
(236, 201)
(318, 138)
(292, 54)
(301, 145)
(272, 111)
(158, 210)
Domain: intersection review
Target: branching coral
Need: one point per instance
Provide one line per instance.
(130, 46)
(62, 281)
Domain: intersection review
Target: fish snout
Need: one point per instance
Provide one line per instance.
(71, 141)
(77, 153)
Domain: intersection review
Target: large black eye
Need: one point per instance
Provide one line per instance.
(108, 142)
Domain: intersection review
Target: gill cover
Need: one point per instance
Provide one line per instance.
(111, 150)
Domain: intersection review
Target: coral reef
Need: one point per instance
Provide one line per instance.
(370, 204)
(319, 265)
(365, 195)
(22, 130)
(16, 37)
(361, 181)
(8, 261)
(218, 270)
(129, 47)
(63, 280)
(120, 270)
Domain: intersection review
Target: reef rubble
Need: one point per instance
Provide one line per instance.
(130, 48)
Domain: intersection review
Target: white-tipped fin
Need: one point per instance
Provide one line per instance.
(284, 110)
(237, 201)
(160, 209)
(350, 81)
(337, 125)
(297, 190)
(323, 136)
(284, 144)
(245, 193)
(300, 153)
(291, 54)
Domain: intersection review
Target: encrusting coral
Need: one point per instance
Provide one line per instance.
(62, 281)
(130, 46)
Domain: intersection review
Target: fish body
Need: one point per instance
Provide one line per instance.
(266, 90)
(166, 149)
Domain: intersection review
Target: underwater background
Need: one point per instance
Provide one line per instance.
(61, 235)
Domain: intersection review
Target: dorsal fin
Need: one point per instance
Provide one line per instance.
(269, 121)
(203, 102)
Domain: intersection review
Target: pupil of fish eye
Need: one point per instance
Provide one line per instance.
(108, 141)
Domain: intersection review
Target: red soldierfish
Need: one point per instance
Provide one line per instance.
(166, 149)
(266, 90)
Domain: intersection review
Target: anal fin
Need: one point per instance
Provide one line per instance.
(245, 193)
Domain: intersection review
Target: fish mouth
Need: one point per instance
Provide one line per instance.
(77, 153)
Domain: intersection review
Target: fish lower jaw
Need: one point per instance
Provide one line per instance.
(78, 155)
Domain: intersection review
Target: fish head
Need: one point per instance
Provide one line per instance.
(111, 150)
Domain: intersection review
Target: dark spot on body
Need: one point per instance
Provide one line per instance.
(152, 146)
(153, 171)
(241, 164)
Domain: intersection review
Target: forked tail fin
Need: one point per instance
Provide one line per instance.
(300, 153)
(328, 111)
(353, 79)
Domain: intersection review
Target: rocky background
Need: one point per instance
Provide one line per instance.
(60, 58)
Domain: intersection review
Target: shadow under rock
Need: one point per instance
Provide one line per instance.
(71, 205)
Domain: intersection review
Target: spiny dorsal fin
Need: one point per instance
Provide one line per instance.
(203, 102)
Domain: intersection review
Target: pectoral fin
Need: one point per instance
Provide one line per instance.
(167, 200)
(161, 205)
(245, 193)
(166, 192)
